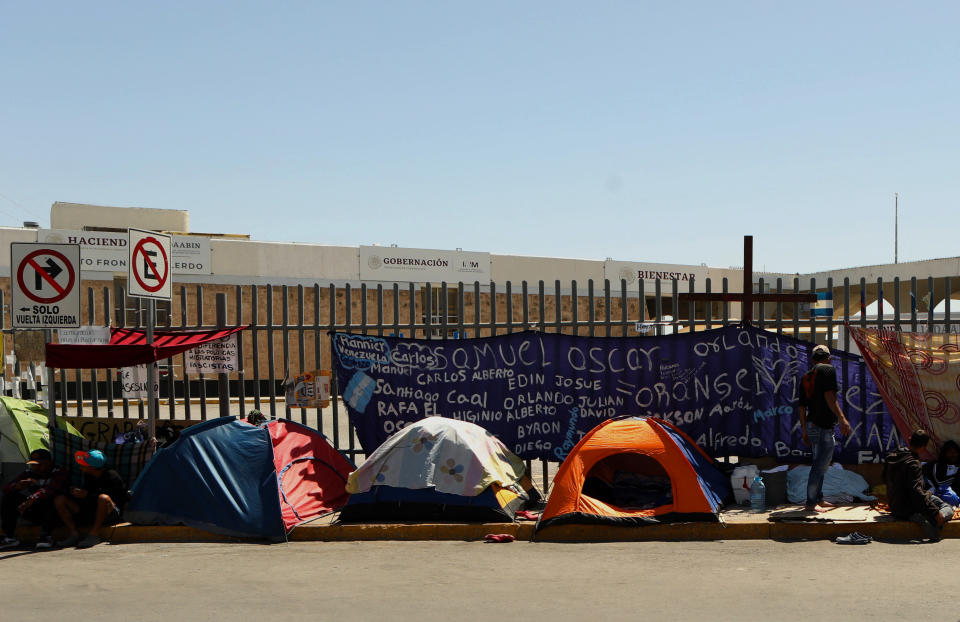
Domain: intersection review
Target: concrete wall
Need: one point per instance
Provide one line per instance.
(248, 258)
(519, 268)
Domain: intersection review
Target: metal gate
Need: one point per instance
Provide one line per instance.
(289, 332)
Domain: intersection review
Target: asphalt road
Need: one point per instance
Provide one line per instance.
(452, 581)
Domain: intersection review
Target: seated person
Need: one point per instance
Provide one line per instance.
(944, 474)
(906, 491)
(31, 495)
(99, 500)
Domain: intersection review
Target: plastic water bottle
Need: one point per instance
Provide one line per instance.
(758, 495)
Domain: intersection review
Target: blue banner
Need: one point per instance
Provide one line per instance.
(733, 389)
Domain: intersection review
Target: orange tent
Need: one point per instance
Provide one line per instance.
(635, 471)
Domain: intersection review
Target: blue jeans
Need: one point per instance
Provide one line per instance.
(822, 443)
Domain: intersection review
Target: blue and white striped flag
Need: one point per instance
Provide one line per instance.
(823, 307)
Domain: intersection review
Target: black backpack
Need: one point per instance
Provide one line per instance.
(808, 383)
(899, 479)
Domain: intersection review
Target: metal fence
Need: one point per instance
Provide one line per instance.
(289, 331)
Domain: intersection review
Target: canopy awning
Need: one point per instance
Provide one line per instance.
(128, 347)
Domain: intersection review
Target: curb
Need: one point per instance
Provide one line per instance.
(125, 533)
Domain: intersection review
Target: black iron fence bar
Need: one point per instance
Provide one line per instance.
(779, 307)
(574, 308)
(947, 294)
(509, 307)
(913, 304)
(241, 371)
(726, 305)
(493, 308)
(285, 340)
(333, 377)
(830, 327)
(460, 310)
(255, 344)
(760, 316)
(203, 385)
(317, 344)
(170, 377)
(187, 405)
(425, 310)
(880, 303)
(557, 307)
(658, 307)
(591, 309)
(107, 312)
(348, 318)
(444, 310)
(271, 360)
(92, 321)
(379, 310)
(301, 343)
(625, 308)
(223, 379)
(897, 308)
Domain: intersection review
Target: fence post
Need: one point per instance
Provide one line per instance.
(223, 380)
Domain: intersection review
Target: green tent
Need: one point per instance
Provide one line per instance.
(23, 428)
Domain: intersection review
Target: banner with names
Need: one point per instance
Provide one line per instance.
(733, 389)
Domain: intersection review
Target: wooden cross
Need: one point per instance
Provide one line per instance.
(747, 297)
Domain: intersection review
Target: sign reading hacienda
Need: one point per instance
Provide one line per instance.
(106, 251)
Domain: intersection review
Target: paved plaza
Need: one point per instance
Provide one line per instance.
(448, 581)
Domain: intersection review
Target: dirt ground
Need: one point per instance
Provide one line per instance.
(449, 581)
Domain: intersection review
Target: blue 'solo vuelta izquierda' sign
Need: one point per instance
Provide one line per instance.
(733, 389)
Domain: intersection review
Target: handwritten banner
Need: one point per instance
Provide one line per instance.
(214, 357)
(733, 389)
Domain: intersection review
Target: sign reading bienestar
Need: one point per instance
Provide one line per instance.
(389, 263)
(106, 251)
(632, 272)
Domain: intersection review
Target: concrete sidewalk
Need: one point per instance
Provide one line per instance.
(789, 523)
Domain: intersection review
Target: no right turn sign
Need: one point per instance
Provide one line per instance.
(45, 285)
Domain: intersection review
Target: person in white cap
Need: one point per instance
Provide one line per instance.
(820, 413)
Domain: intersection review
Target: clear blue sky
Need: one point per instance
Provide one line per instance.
(640, 131)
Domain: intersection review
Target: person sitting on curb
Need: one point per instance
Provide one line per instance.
(30, 495)
(944, 474)
(906, 492)
(100, 500)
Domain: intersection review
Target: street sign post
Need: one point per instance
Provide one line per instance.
(45, 288)
(45, 294)
(148, 271)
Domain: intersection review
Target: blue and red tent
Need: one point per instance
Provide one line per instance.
(233, 478)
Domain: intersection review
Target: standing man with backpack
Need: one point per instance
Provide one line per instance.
(819, 415)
